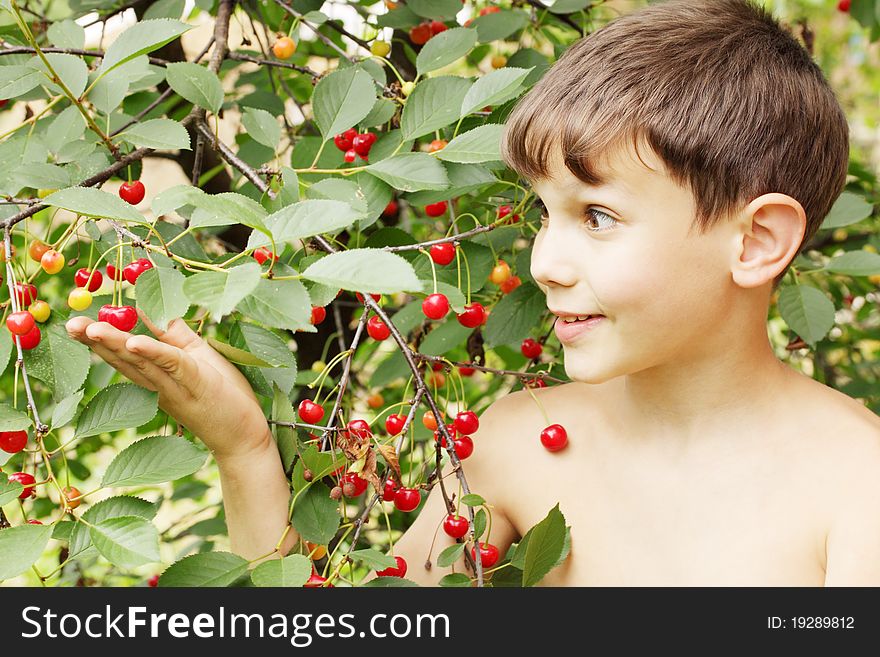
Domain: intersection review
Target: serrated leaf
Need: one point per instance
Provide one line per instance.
(111, 507)
(293, 570)
(126, 541)
(65, 410)
(455, 580)
(305, 219)
(71, 70)
(16, 80)
(444, 48)
(67, 126)
(67, 34)
(236, 355)
(439, 9)
(373, 559)
(219, 293)
(279, 304)
(515, 315)
(482, 144)
(316, 515)
(210, 569)
(92, 202)
(119, 406)
(196, 84)
(225, 209)
(341, 99)
(499, 25)
(472, 499)
(141, 38)
(365, 270)
(262, 126)
(389, 583)
(59, 361)
(848, 209)
(154, 460)
(494, 88)
(855, 263)
(266, 345)
(20, 547)
(806, 310)
(175, 197)
(433, 104)
(9, 490)
(411, 172)
(450, 555)
(544, 547)
(158, 133)
(160, 295)
(12, 419)
(567, 6)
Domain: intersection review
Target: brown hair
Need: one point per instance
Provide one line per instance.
(727, 98)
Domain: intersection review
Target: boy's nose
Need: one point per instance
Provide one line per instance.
(554, 259)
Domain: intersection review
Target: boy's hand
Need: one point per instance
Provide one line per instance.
(196, 385)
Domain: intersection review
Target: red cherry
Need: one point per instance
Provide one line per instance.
(132, 192)
(26, 293)
(319, 314)
(34, 522)
(437, 27)
(391, 571)
(443, 253)
(464, 447)
(488, 554)
(30, 339)
(317, 581)
(13, 441)
(474, 314)
(123, 318)
(262, 254)
(536, 383)
(362, 143)
(342, 142)
(20, 323)
(81, 278)
(420, 34)
(554, 437)
(407, 499)
(435, 306)
(530, 348)
(510, 284)
(394, 424)
(310, 412)
(27, 481)
(153, 582)
(467, 422)
(360, 297)
(377, 329)
(132, 271)
(503, 211)
(456, 526)
(389, 490)
(489, 10)
(114, 274)
(436, 209)
(438, 437)
(464, 370)
(349, 156)
(391, 209)
(844, 5)
(360, 485)
(360, 429)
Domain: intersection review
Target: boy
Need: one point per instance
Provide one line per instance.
(683, 154)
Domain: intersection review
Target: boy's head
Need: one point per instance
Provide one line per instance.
(707, 133)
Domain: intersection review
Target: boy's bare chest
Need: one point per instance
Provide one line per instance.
(647, 522)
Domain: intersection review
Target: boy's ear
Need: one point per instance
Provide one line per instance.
(772, 229)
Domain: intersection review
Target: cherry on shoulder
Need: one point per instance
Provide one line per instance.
(467, 422)
(36, 250)
(30, 339)
(456, 526)
(500, 273)
(437, 209)
(310, 412)
(394, 424)
(319, 314)
(554, 437)
(353, 485)
(123, 318)
(531, 348)
(133, 192)
(72, 495)
(510, 284)
(12, 442)
(488, 554)
(284, 47)
(407, 499)
(52, 261)
(474, 314)
(79, 298)
(20, 323)
(26, 480)
(25, 293)
(85, 276)
(378, 329)
(443, 253)
(389, 490)
(435, 306)
(394, 571)
(262, 254)
(463, 446)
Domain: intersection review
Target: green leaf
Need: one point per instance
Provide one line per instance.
(282, 371)
(389, 583)
(20, 547)
(450, 555)
(568, 6)
(165, 9)
(480, 520)
(9, 490)
(175, 197)
(111, 507)
(848, 209)
(455, 580)
(494, 88)
(160, 295)
(515, 315)
(444, 338)
(262, 126)
(544, 547)
(445, 48)
(139, 39)
(92, 202)
(65, 128)
(439, 9)
(154, 460)
(855, 263)
(158, 133)
(59, 361)
(71, 70)
(236, 355)
(226, 209)
(410, 172)
(279, 304)
(293, 570)
(482, 144)
(472, 499)
(341, 99)
(806, 310)
(119, 406)
(221, 293)
(373, 559)
(365, 270)
(211, 569)
(196, 84)
(126, 541)
(41, 175)
(109, 91)
(499, 25)
(433, 104)
(65, 410)
(12, 420)
(383, 110)
(266, 345)
(16, 80)
(316, 515)
(67, 34)
(306, 219)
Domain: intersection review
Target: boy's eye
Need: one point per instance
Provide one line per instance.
(592, 217)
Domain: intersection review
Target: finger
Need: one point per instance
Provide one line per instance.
(179, 365)
(124, 368)
(112, 343)
(76, 327)
(178, 333)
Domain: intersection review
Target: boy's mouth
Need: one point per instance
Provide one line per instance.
(571, 318)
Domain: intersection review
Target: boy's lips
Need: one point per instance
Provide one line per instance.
(568, 332)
